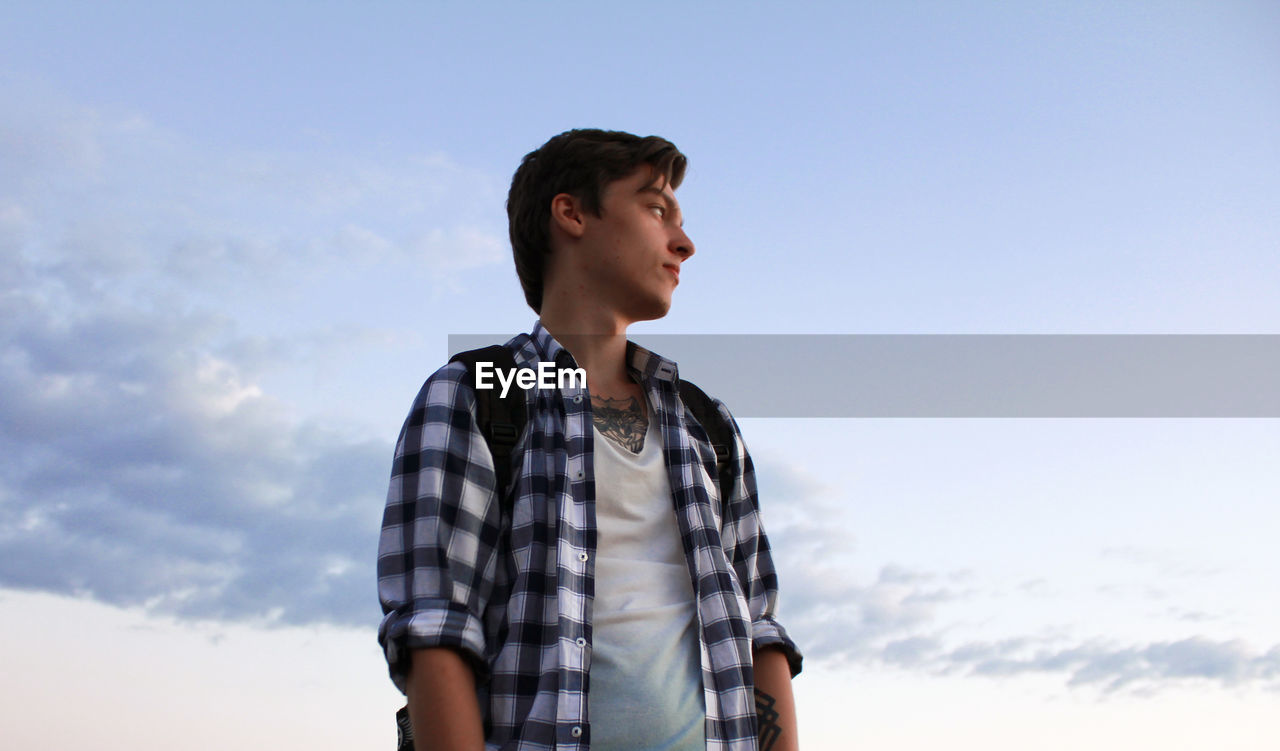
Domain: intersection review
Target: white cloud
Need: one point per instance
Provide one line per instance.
(143, 464)
(110, 193)
(143, 460)
(157, 475)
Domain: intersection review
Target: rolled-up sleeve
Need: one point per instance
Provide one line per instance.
(747, 547)
(440, 530)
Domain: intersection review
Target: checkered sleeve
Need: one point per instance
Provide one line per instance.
(438, 551)
(747, 547)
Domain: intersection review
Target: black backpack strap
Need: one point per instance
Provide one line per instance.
(719, 431)
(501, 420)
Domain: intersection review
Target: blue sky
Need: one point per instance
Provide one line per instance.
(234, 239)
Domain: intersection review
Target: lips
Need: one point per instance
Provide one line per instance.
(675, 271)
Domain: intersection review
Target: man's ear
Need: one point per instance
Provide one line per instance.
(567, 215)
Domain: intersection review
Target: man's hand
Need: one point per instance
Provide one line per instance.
(775, 704)
(442, 702)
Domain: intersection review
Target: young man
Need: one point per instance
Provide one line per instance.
(609, 597)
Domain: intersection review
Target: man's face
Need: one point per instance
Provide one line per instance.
(636, 245)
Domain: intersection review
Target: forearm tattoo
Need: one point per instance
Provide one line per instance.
(767, 720)
(620, 420)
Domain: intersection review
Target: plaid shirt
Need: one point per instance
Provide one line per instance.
(518, 601)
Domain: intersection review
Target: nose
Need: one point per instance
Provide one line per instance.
(681, 245)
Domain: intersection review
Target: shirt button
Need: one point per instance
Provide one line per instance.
(576, 732)
(577, 399)
(583, 557)
(579, 475)
(582, 642)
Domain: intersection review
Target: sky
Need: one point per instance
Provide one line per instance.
(234, 239)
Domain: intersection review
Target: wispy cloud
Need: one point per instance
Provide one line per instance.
(113, 194)
(1164, 564)
(843, 621)
(904, 617)
(899, 619)
(1143, 668)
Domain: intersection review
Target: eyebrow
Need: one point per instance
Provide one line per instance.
(668, 200)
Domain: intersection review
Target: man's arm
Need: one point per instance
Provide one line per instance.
(435, 562)
(775, 703)
(775, 658)
(442, 702)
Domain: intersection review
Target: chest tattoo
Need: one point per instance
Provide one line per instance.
(621, 421)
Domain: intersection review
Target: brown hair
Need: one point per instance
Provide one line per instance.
(580, 163)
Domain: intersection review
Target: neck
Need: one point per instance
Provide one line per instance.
(596, 337)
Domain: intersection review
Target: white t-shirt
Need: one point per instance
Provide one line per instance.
(646, 675)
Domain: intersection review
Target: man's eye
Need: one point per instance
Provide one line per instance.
(659, 210)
